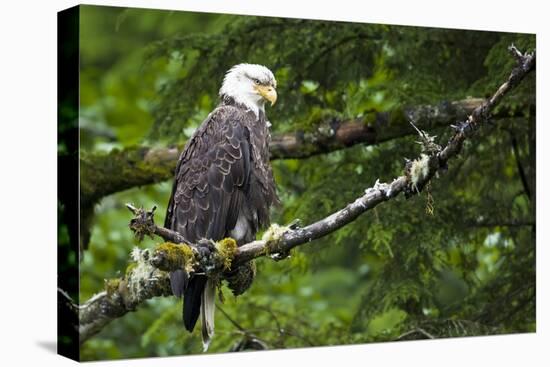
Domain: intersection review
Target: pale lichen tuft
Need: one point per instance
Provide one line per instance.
(273, 235)
(420, 168)
(140, 271)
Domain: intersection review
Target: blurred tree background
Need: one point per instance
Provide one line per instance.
(149, 78)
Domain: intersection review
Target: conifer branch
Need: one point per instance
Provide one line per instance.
(148, 277)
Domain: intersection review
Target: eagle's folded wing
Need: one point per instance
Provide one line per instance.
(211, 178)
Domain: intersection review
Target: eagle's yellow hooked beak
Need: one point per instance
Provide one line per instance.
(267, 92)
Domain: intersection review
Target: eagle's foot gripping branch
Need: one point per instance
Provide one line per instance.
(214, 258)
(205, 256)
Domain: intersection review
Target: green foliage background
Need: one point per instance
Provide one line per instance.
(150, 77)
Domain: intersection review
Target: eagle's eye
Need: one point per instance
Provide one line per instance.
(256, 81)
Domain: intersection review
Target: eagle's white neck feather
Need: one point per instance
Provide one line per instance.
(238, 84)
(241, 95)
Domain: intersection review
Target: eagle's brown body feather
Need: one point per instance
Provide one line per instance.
(223, 188)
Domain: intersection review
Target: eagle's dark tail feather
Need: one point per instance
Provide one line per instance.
(192, 301)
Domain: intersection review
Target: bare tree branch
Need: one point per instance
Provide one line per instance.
(149, 278)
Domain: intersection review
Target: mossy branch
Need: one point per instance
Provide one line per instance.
(105, 174)
(141, 281)
(148, 278)
(178, 253)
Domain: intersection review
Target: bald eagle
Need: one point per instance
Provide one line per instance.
(223, 183)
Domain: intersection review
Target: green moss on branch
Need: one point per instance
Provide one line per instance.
(226, 249)
(119, 170)
(169, 256)
(112, 285)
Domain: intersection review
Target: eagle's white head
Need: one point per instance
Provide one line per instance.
(250, 85)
